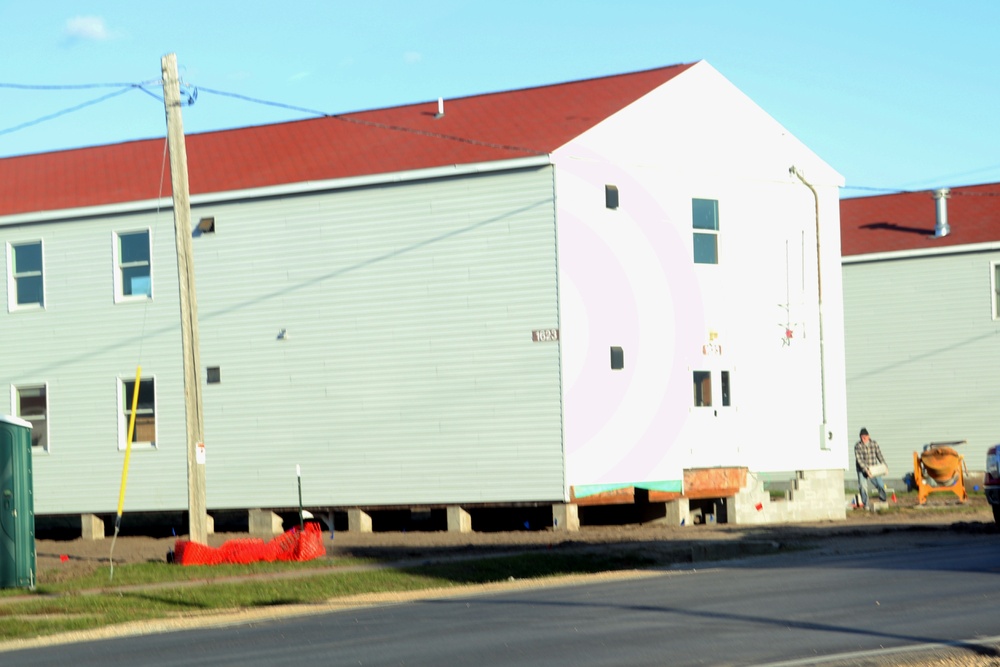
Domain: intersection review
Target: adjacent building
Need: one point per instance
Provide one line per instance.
(922, 316)
(589, 290)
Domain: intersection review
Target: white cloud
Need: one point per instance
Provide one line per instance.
(298, 76)
(411, 57)
(89, 28)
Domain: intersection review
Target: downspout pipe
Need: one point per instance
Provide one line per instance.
(819, 291)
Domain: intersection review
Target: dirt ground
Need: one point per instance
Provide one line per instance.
(862, 530)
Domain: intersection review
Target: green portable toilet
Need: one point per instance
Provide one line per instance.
(17, 506)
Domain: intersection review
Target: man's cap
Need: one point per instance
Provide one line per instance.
(864, 431)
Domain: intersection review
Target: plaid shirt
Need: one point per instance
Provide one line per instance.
(866, 456)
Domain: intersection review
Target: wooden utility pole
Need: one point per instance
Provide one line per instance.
(197, 513)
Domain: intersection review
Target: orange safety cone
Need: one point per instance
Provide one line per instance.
(893, 496)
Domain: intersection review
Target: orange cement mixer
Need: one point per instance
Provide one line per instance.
(939, 467)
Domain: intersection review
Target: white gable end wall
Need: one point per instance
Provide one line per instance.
(628, 279)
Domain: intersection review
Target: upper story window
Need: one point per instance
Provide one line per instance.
(133, 270)
(705, 219)
(25, 284)
(31, 405)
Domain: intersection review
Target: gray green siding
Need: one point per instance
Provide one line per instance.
(408, 374)
(79, 345)
(922, 353)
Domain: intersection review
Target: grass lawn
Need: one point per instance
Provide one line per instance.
(145, 591)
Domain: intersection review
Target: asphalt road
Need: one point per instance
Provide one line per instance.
(790, 609)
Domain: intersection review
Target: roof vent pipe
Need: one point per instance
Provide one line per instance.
(440, 107)
(941, 227)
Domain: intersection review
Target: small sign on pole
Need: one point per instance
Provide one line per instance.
(302, 519)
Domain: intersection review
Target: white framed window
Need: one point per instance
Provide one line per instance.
(133, 265)
(705, 221)
(25, 276)
(144, 434)
(30, 403)
(995, 288)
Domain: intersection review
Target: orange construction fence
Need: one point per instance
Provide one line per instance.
(293, 545)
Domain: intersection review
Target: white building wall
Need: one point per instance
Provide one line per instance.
(627, 278)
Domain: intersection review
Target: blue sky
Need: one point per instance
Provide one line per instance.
(894, 95)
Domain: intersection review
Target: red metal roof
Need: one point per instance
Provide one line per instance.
(905, 221)
(479, 128)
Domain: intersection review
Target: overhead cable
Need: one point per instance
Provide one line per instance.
(63, 112)
(385, 126)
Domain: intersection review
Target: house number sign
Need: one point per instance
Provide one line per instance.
(544, 335)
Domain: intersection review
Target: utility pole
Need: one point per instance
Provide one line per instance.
(197, 514)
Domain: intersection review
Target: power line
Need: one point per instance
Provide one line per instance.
(66, 111)
(385, 126)
(973, 194)
(891, 191)
(955, 191)
(255, 100)
(122, 89)
(192, 95)
(77, 86)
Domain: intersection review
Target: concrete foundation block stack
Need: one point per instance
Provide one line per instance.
(816, 495)
(265, 524)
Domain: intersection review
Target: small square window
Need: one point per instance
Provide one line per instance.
(705, 214)
(617, 359)
(702, 389)
(214, 375)
(611, 196)
(706, 248)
